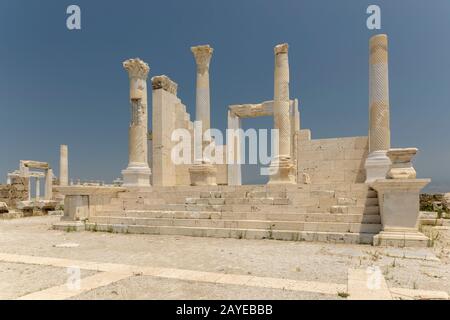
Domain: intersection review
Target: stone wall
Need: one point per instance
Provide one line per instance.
(338, 160)
(14, 192)
(168, 114)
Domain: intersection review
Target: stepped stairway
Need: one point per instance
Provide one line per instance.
(328, 213)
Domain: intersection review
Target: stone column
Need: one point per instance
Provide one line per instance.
(49, 184)
(234, 151)
(281, 168)
(203, 172)
(202, 55)
(38, 188)
(138, 172)
(377, 163)
(63, 166)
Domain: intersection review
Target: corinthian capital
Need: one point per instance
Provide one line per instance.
(281, 48)
(202, 56)
(136, 68)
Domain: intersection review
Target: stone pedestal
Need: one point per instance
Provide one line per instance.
(399, 208)
(81, 202)
(203, 175)
(138, 172)
(282, 168)
(377, 163)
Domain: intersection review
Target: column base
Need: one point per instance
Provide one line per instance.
(203, 175)
(377, 166)
(136, 176)
(401, 238)
(282, 172)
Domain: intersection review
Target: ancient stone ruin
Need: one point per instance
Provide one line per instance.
(339, 190)
(16, 196)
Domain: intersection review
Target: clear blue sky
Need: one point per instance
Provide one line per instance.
(59, 86)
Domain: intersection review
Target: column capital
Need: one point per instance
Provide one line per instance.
(165, 83)
(202, 55)
(281, 48)
(136, 68)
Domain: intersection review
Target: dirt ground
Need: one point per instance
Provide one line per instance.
(413, 268)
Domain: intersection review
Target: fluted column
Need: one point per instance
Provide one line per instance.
(202, 173)
(377, 163)
(281, 166)
(63, 166)
(138, 171)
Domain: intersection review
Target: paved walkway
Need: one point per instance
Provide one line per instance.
(37, 262)
(360, 285)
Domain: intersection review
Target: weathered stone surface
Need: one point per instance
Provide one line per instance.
(138, 172)
(14, 192)
(165, 83)
(399, 199)
(339, 160)
(437, 202)
(3, 207)
(401, 167)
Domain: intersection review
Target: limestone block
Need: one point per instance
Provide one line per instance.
(216, 201)
(346, 201)
(3, 207)
(355, 154)
(306, 178)
(304, 135)
(401, 167)
(280, 201)
(25, 205)
(46, 204)
(203, 175)
(339, 209)
(76, 207)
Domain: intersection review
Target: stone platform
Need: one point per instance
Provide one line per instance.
(335, 213)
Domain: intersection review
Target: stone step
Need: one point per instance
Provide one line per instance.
(243, 194)
(330, 237)
(219, 201)
(242, 224)
(250, 192)
(299, 217)
(221, 208)
(244, 208)
(367, 210)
